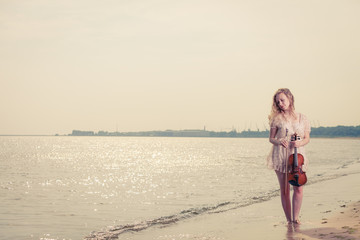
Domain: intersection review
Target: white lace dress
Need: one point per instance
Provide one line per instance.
(278, 155)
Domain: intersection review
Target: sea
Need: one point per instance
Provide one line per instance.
(66, 187)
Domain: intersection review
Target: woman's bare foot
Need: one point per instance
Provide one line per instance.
(297, 221)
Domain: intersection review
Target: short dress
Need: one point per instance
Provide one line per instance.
(279, 155)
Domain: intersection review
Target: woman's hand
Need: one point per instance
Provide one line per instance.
(305, 140)
(284, 143)
(295, 144)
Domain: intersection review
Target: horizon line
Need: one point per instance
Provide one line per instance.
(233, 129)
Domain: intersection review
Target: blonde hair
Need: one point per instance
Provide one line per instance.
(275, 110)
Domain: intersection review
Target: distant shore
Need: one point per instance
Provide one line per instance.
(319, 132)
(351, 132)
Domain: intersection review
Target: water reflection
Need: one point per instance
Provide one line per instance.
(293, 231)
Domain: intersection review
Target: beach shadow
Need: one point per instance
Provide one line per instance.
(296, 233)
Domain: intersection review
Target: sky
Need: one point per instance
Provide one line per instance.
(141, 65)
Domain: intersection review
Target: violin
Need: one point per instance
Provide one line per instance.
(296, 176)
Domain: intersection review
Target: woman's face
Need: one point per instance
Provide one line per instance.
(282, 102)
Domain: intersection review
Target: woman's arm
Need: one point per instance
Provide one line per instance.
(275, 141)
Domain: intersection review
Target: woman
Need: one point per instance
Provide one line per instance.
(285, 122)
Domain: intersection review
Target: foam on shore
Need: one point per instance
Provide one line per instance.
(330, 209)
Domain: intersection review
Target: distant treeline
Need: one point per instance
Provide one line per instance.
(339, 131)
(328, 132)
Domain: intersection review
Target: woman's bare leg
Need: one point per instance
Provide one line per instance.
(296, 201)
(285, 195)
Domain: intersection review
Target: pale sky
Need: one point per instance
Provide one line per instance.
(134, 65)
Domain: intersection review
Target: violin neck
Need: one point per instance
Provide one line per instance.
(295, 152)
(295, 158)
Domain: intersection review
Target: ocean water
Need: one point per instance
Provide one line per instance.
(96, 187)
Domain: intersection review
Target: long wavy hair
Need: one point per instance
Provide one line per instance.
(275, 110)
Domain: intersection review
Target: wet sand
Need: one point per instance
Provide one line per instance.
(343, 225)
(331, 210)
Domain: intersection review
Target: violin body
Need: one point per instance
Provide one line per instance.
(296, 176)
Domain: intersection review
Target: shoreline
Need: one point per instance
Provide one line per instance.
(330, 210)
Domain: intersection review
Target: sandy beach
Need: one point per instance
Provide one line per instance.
(330, 210)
